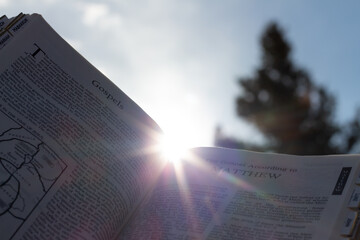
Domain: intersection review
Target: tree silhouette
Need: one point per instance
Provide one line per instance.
(293, 113)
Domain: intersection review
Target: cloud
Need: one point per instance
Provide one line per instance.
(99, 15)
(4, 3)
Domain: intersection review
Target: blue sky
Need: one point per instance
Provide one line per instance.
(180, 60)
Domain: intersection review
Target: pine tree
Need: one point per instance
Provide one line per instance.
(284, 103)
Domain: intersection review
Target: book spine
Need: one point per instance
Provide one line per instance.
(351, 229)
(3, 22)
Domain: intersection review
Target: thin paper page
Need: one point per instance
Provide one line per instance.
(230, 194)
(84, 156)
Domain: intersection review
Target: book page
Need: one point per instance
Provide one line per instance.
(230, 194)
(76, 153)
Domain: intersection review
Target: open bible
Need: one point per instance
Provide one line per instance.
(80, 160)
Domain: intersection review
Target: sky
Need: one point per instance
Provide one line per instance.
(180, 60)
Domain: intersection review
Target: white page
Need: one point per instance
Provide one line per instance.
(229, 194)
(76, 153)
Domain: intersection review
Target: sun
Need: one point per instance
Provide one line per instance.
(173, 149)
(180, 130)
